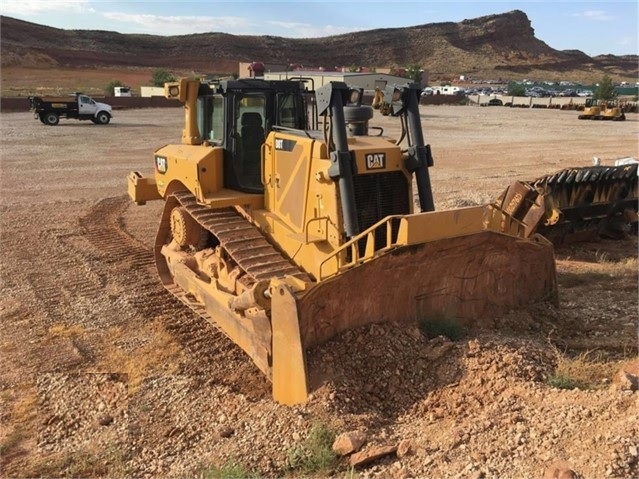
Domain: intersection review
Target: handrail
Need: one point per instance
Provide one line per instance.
(369, 252)
(313, 220)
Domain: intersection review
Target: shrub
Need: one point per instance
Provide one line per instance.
(161, 76)
(516, 89)
(229, 470)
(433, 327)
(605, 90)
(588, 370)
(562, 382)
(315, 454)
(109, 90)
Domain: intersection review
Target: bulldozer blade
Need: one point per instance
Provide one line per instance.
(466, 278)
(289, 362)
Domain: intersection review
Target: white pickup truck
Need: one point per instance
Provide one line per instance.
(49, 110)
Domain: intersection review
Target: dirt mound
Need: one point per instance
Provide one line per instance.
(363, 371)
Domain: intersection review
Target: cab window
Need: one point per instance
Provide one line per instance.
(290, 111)
(210, 118)
(251, 132)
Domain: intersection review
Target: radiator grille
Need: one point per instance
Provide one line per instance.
(380, 195)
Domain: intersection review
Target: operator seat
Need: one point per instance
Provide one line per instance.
(252, 135)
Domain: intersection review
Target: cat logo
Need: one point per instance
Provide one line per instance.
(284, 145)
(375, 161)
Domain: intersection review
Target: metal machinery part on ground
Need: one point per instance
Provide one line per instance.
(284, 230)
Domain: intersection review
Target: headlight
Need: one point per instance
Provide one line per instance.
(354, 97)
(174, 91)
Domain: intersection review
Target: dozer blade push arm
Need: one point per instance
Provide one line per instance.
(404, 102)
(331, 99)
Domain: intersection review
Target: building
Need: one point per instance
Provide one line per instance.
(149, 91)
(258, 69)
(367, 81)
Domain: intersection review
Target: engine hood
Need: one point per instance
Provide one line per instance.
(103, 106)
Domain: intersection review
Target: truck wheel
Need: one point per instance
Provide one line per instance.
(51, 119)
(102, 118)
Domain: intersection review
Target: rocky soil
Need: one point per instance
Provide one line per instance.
(106, 375)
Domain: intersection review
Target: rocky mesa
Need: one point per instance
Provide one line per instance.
(495, 46)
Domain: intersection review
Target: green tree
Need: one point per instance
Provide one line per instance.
(353, 68)
(414, 72)
(161, 76)
(605, 90)
(516, 89)
(109, 90)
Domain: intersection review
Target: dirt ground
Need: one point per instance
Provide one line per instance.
(18, 81)
(106, 375)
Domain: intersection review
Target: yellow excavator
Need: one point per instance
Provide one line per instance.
(286, 223)
(378, 102)
(602, 110)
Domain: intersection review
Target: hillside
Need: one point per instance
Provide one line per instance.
(495, 46)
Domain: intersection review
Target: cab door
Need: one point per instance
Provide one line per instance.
(86, 105)
(243, 167)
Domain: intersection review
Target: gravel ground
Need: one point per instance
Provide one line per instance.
(106, 375)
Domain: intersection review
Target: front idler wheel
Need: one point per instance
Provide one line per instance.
(186, 231)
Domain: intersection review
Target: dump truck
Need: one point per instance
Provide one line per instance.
(78, 106)
(288, 221)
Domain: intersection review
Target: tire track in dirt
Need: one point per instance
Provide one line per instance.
(211, 354)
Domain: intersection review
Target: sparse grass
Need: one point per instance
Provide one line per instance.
(585, 371)
(9, 444)
(350, 473)
(602, 270)
(25, 408)
(82, 463)
(315, 454)
(155, 355)
(621, 268)
(64, 331)
(231, 469)
(573, 280)
(562, 382)
(22, 414)
(433, 327)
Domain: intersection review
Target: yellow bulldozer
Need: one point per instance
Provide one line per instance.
(602, 110)
(286, 223)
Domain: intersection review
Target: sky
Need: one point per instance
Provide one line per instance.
(595, 28)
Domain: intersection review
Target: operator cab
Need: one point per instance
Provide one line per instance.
(237, 115)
